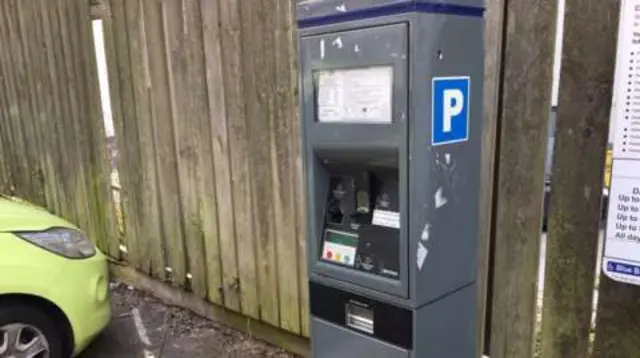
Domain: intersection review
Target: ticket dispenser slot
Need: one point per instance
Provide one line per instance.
(359, 316)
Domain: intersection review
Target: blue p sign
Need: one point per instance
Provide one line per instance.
(450, 110)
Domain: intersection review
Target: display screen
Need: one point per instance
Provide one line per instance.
(340, 247)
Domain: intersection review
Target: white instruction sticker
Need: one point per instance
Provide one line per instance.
(621, 259)
(386, 218)
(355, 95)
(626, 103)
(622, 250)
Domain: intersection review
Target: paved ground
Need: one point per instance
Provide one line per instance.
(142, 326)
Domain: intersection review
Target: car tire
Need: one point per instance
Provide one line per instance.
(20, 314)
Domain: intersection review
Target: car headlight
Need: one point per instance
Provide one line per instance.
(65, 242)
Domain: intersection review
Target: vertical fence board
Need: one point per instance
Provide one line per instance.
(296, 173)
(145, 183)
(150, 239)
(581, 131)
(232, 53)
(31, 120)
(46, 113)
(190, 98)
(166, 155)
(124, 208)
(103, 209)
(55, 127)
(220, 249)
(73, 146)
(283, 168)
(81, 149)
(525, 96)
(125, 124)
(6, 133)
(21, 115)
(21, 179)
(260, 153)
(91, 214)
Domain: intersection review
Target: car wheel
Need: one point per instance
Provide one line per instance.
(27, 332)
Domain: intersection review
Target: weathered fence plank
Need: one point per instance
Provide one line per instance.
(7, 100)
(148, 203)
(142, 165)
(286, 10)
(166, 155)
(259, 117)
(124, 119)
(76, 177)
(220, 249)
(29, 76)
(246, 284)
(193, 155)
(12, 59)
(54, 128)
(525, 105)
(283, 167)
(103, 210)
(44, 112)
(581, 131)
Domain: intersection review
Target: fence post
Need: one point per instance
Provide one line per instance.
(523, 112)
(581, 132)
(493, 43)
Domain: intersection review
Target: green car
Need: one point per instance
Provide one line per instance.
(53, 284)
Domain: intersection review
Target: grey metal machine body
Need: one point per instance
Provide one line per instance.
(391, 104)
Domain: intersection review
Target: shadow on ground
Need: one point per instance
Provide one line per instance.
(142, 326)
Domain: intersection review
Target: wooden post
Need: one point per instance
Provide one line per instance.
(582, 122)
(493, 41)
(523, 112)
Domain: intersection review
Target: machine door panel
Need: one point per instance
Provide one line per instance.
(355, 121)
(332, 341)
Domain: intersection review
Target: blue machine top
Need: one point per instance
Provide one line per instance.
(324, 12)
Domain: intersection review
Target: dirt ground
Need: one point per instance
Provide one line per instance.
(142, 326)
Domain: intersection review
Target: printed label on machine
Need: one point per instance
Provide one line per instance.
(386, 218)
(621, 261)
(355, 95)
(340, 247)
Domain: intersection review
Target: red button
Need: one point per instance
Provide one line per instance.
(329, 254)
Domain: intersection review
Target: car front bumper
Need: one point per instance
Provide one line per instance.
(82, 290)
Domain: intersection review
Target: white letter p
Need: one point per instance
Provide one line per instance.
(453, 105)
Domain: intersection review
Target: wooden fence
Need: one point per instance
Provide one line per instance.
(204, 99)
(205, 107)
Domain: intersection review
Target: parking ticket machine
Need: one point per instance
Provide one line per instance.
(391, 103)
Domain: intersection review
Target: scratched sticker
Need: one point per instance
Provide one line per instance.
(421, 255)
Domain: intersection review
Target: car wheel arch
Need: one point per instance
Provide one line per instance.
(47, 307)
